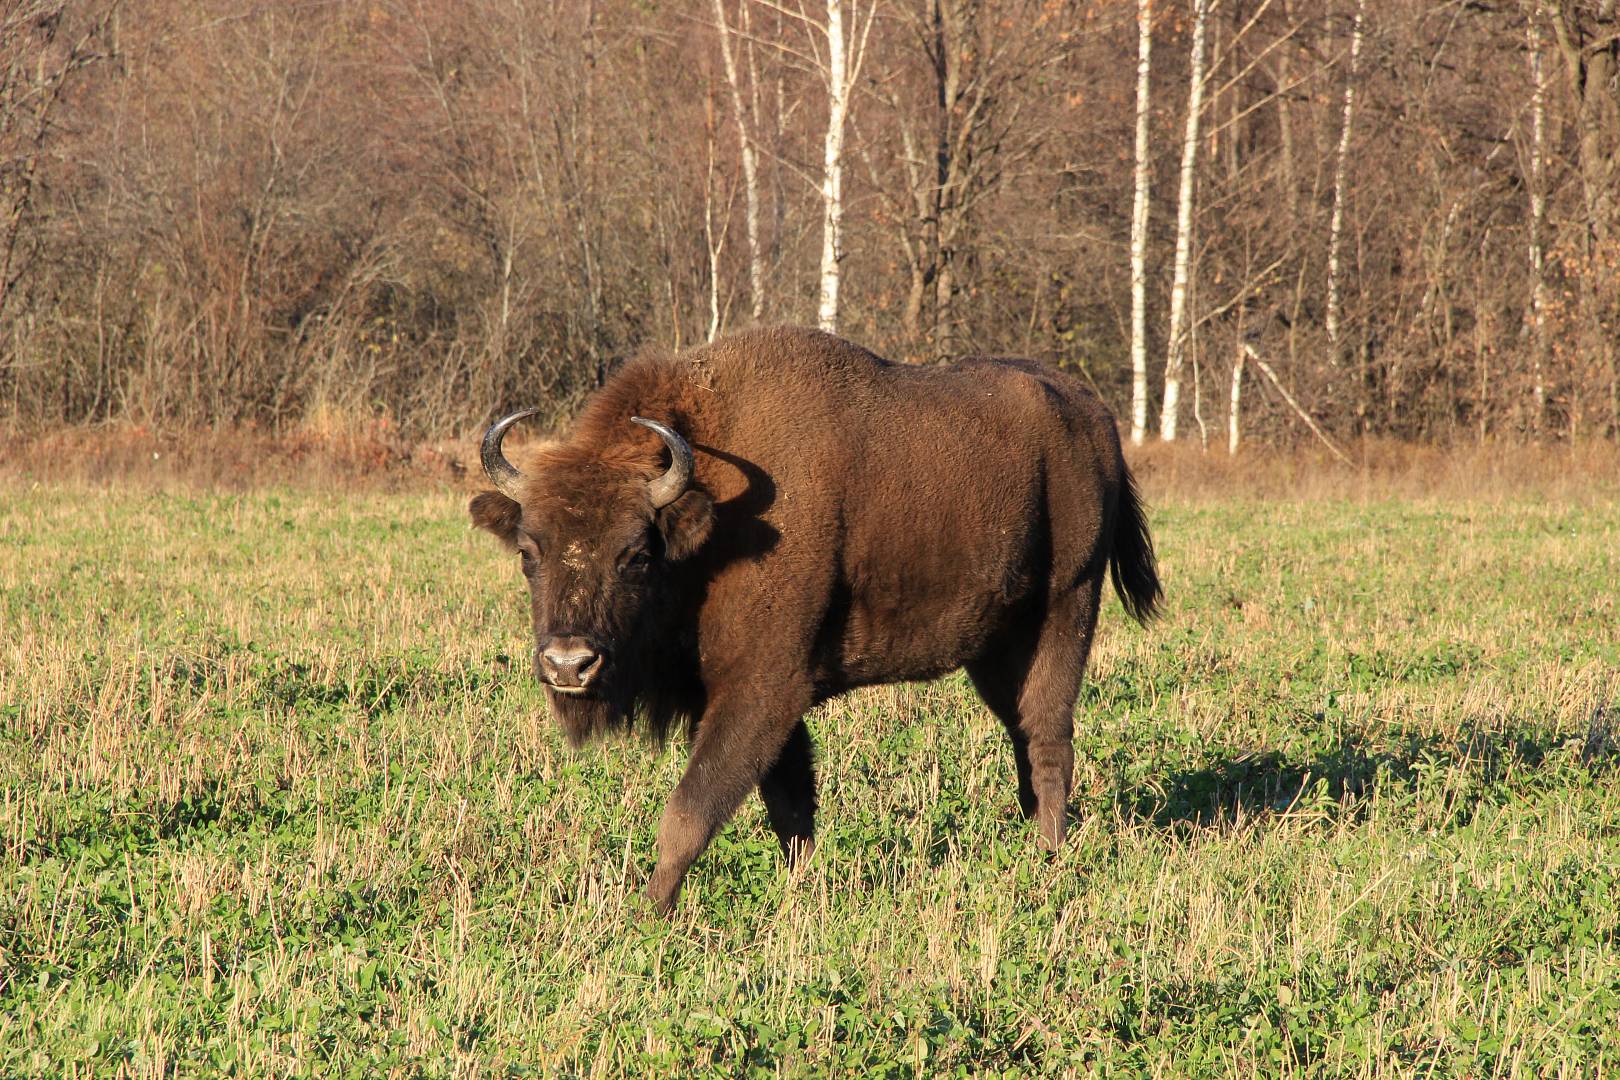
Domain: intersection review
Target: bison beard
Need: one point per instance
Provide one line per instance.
(728, 536)
(584, 719)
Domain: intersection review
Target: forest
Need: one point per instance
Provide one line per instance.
(1268, 220)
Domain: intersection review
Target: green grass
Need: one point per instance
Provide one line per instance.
(278, 796)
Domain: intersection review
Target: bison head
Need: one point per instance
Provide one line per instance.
(600, 538)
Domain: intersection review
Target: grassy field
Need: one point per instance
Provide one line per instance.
(277, 796)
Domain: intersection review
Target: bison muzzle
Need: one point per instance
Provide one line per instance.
(728, 536)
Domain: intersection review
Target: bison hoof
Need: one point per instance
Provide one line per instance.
(663, 898)
(797, 850)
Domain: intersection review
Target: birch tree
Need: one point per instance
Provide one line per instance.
(1139, 225)
(714, 240)
(1285, 126)
(1169, 414)
(1340, 173)
(1234, 414)
(747, 123)
(1538, 212)
(840, 68)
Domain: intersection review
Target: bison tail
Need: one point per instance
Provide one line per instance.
(1134, 569)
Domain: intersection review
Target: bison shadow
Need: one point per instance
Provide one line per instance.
(746, 534)
(1252, 787)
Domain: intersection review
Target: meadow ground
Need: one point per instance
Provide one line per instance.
(277, 795)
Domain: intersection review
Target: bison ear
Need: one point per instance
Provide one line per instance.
(685, 524)
(495, 513)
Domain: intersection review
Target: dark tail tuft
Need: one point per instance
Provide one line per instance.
(1135, 573)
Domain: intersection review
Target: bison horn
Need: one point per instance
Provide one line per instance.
(669, 487)
(502, 473)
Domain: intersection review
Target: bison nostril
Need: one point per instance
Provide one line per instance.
(570, 664)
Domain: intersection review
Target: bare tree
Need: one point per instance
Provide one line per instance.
(956, 102)
(1538, 211)
(714, 237)
(1341, 165)
(840, 67)
(1177, 335)
(1590, 44)
(36, 66)
(1285, 124)
(746, 114)
(1139, 223)
(1234, 414)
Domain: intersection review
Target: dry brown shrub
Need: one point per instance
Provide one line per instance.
(1382, 469)
(332, 451)
(368, 455)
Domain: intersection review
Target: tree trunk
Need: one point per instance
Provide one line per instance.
(1538, 217)
(714, 243)
(953, 159)
(1139, 226)
(1299, 410)
(1340, 171)
(746, 124)
(1233, 413)
(832, 175)
(1285, 128)
(1169, 414)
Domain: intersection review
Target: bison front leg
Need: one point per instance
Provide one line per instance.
(734, 750)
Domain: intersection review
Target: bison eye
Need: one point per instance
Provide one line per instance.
(527, 561)
(634, 559)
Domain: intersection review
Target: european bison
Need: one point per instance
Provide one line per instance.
(731, 535)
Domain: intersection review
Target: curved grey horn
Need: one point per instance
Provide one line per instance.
(502, 473)
(678, 477)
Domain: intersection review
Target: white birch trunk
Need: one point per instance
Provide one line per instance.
(1340, 169)
(1139, 226)
(750, 165)
(714, 280)
(714, 242)
(832, 177)
(1538, 214)
(1233, 411)
(1169, 415)
(1285, 125)
(1198, 401)
(714, 246)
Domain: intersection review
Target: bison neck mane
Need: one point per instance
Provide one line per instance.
(602, 442)
(694, 392)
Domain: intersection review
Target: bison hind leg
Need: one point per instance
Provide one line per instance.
(788, 790)
(1030, 678)
(992, 678)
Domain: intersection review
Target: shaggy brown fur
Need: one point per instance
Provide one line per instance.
(850, 522)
